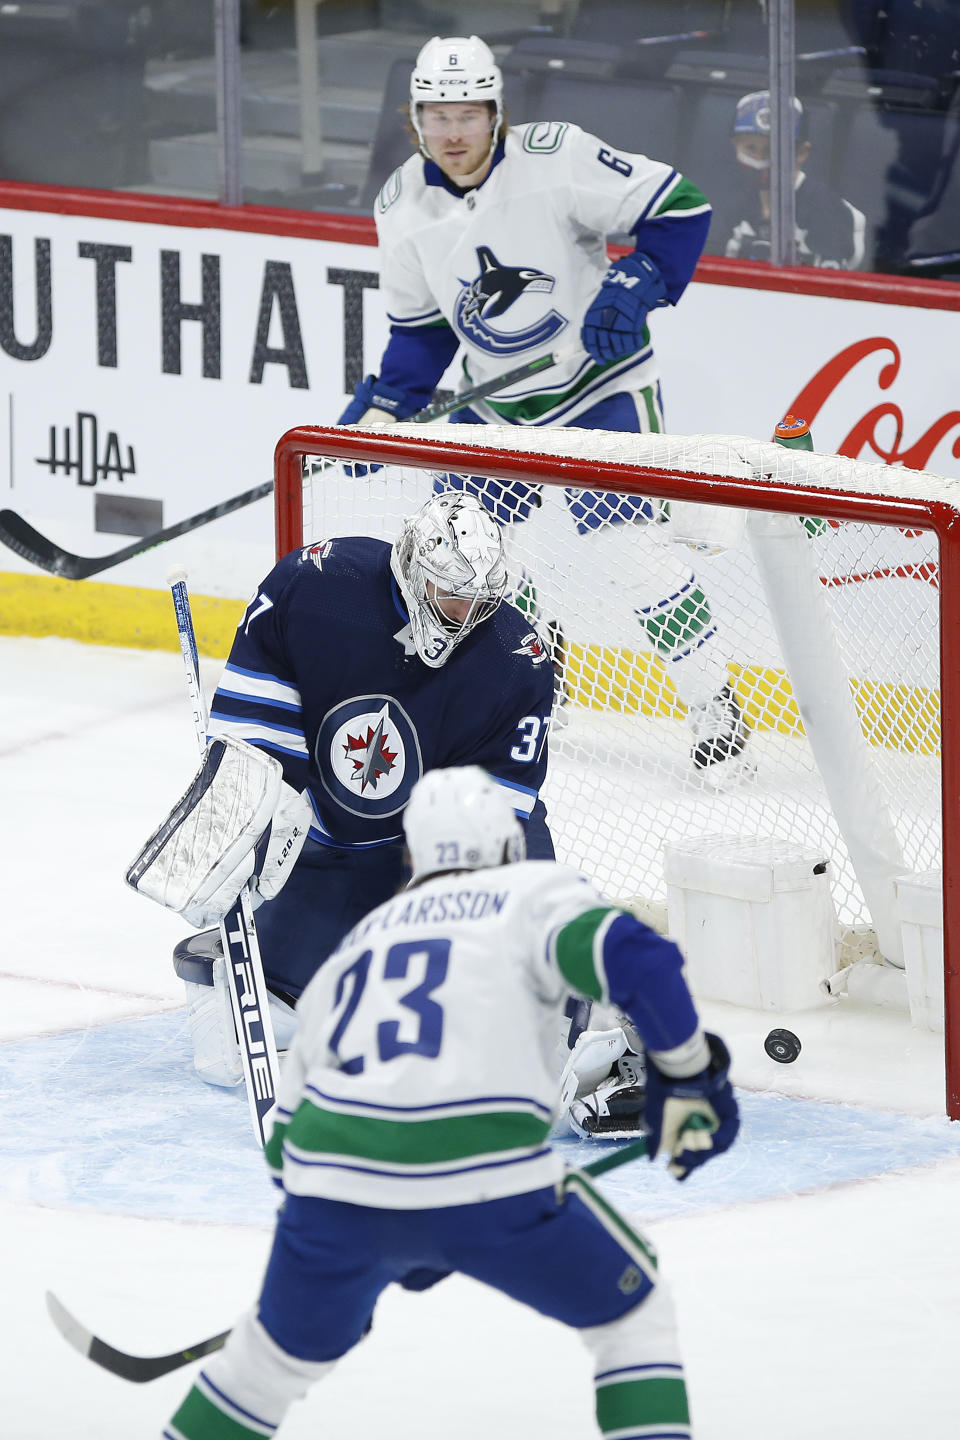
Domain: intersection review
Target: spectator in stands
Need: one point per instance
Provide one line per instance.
(830, 231)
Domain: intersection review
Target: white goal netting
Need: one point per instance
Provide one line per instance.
(636, 618)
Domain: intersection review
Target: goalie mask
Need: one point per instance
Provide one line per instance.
(448, 563)
(458, 68)
(460, 819)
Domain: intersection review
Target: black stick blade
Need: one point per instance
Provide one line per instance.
(21, 537)
(137, 1368)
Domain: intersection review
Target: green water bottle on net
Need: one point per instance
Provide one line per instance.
(794, 434)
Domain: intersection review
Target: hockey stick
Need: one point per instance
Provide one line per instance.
(249, 997)
(19, 535)
(139, 1368)
(490, 387)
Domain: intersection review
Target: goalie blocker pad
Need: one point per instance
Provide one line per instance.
(238, 823)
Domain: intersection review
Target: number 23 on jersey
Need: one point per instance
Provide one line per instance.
(415, 1028)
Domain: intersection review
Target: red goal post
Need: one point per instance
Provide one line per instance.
(886, 586)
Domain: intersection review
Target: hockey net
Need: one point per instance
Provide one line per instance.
(839, 563)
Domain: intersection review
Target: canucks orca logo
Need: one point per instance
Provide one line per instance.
(491, 294)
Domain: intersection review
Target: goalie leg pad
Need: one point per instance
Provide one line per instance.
(216, 1052)
(616, 1110)
(592, 1059)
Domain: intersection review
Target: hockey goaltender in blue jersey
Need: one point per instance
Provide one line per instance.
(324, 675)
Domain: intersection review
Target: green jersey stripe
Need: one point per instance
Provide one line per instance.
(577, 948)
(274, 1147)
(683, 196)
(200, 1419)
(678, 626)
(532, 407)
(314, 1131)
(653, 414)
(633, 1243)
(634, 1404)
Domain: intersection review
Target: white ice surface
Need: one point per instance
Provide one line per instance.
(816, 1267)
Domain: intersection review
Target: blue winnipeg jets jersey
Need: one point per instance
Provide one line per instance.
(507, 270)
(323, 675)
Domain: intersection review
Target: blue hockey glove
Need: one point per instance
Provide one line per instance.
(396, 404)
(613, 325)
(694, 1119)
(372, 393)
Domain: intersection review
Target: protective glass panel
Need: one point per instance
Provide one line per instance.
(109, 96)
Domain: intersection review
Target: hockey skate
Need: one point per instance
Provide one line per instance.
(616, 1108)
(719, 733)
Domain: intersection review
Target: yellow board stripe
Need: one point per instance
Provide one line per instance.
(111, 614)
(599, 677)
(900, 717)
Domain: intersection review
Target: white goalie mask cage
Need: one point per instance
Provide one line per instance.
(455, 68)
(453, 548)
(460, 819)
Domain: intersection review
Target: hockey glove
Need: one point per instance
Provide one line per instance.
(238, 823)
(386, 403)
(374, 403)
(613, 324)
(695, 1118)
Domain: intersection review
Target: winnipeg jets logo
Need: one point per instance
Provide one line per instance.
(491, 295)
(533, 646)
(316, 553)
(367, 753)
(370, 754)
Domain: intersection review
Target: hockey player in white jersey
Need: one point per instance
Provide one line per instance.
(493, 241)
(414, 1115)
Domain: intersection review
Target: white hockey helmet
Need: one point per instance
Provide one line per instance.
(460, 819)
(458, 68)
(451, 548)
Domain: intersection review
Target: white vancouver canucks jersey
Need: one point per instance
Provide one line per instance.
(423, 1071)
(512, 266)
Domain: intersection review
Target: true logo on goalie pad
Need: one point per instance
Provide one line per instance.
(368, 755)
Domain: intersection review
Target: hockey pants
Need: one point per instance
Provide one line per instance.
(565, 1252)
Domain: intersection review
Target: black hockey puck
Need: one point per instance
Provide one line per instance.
(782, 1046)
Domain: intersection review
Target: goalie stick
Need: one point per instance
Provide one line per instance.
(140, 1368)
(20, 536)
(249, 998)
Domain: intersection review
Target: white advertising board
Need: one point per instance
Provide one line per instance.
(158, 364)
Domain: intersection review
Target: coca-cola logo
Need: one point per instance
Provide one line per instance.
(864, 434)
